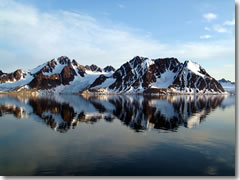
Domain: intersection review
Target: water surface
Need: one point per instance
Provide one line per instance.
(117, 135)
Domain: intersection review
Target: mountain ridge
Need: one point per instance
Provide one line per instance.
(139, 75)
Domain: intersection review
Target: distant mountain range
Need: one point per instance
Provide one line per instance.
(226, 82)
(227, 85)
(138, 76)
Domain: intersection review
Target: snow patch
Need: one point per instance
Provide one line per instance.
(38, 68)
(57, 70)
(194, 67)
(165, 80)
(106, 83)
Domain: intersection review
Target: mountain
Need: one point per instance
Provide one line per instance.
(227, 85)
(139, 75)
(161, 76)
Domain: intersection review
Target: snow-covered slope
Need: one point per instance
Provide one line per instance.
(139, 75)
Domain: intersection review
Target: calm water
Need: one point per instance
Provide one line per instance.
(117, 135)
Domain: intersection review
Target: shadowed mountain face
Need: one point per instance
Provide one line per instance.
(138, 112)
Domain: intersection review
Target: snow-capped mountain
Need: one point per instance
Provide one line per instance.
(227, 85)
(161, 76)
(60, 75)
(139, 75)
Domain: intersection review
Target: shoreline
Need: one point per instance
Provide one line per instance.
(37, 93)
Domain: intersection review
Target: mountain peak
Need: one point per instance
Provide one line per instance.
(74, 62)
(195, 68)
(109, 69)
(138, 59)
(64, 60)
(223, 80)
(190, 63)
(95, 68)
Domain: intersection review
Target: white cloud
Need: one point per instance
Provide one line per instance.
(207, 29)
(229, 23)
(219, 28)
(218, 72)
(33, 37)
(207, 36)
(218, 50)
(121, 6)
(210, 16)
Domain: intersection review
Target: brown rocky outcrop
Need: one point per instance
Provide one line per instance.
(15, 76)
(41, 81)
(67, 74)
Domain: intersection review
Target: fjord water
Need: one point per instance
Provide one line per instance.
(117, 135)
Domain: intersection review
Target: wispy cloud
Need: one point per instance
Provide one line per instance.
(210, 16)
(121, 6)
(34, 37)
(207, 29)
(218, 72)
(219, 28)
(229, 23)
(207, 36)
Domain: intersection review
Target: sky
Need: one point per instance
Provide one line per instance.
(111, 32)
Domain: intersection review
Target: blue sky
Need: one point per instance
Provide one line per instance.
(112, 32)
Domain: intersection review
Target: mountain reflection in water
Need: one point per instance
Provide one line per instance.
(138, 112)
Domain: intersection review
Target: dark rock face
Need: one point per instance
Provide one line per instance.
(80, 69)
(15, 76)
(49, 67)
(3, 78)
(87, 67)
(109, 69)
(163, 64)
(67, 74)
(41, 81)
(98, 81)
(45, 82)
(94, 67)
(64, 60)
